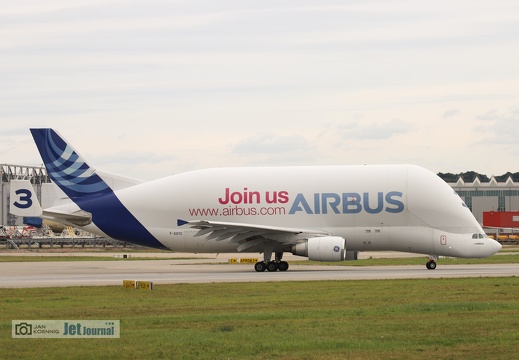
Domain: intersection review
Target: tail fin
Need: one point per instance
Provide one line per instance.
(23, 200)
(66, 167)
(98, 204)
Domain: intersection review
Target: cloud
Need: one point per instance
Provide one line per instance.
(268, 143)
(374, 131)
(266, 147)
(129, 159)
(174, 77)
(500, 127)
(450, 113)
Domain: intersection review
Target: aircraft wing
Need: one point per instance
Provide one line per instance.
(249, 235)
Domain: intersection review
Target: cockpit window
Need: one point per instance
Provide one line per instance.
(474, 236)
(479, 236)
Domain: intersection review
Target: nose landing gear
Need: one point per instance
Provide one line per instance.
(431, 264)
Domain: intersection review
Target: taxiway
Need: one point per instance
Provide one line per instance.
(102, 273)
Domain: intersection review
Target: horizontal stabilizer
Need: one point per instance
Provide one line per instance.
(78, 218)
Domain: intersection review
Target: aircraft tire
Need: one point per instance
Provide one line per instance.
(260, 266)
(282, 266)
(272, 266)
(431, 265)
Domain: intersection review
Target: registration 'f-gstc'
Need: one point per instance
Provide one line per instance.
(324, 213)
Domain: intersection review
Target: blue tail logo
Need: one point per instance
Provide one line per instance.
(79, 182)
(66, 167)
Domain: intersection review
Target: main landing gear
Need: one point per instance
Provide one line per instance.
(271, 266)
(431, 264)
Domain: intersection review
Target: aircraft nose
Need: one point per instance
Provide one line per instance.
(496, 246)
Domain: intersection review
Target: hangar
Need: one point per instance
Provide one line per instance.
(12, 230)
(482, 194)
(37, 175)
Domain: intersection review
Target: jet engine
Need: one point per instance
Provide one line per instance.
(326, 248)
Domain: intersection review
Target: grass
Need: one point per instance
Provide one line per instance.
(382, 319)
(500, 259)
(84, 258)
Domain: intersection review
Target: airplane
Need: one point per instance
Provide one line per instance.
(324, 213)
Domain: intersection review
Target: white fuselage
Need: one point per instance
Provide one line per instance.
(387, 207)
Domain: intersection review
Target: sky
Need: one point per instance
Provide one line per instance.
(152, 88)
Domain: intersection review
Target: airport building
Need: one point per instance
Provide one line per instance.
(488, 196)
(37, 175)
(13, 231)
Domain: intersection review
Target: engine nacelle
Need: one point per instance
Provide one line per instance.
(326, 248)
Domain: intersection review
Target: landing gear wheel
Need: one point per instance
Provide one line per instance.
(282, 266)
(260, 266)
(431, 265)
(272, 266)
